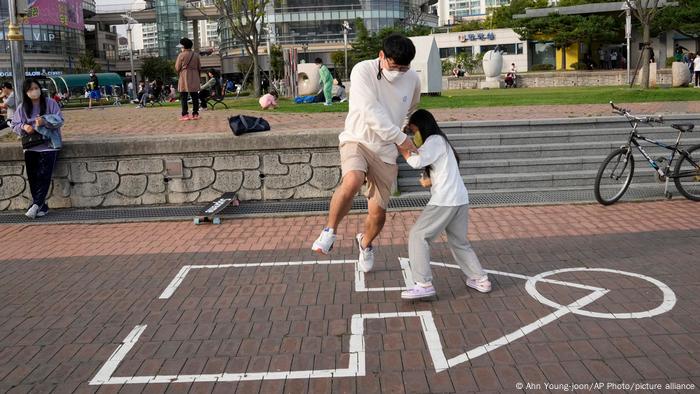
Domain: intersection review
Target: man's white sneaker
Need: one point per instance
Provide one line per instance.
(324, 242)
(366, 260)
(32, 211)
(482, 284)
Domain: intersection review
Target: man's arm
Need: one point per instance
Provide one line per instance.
(415, 101)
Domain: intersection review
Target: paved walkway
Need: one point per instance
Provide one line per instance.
(127, 120)
(133, 304)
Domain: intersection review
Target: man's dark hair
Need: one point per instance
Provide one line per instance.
(186, 43)
(399, 49)
(318, 60)
(7, 85)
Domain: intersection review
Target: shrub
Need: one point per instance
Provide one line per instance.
(542, 67)
(579, 66)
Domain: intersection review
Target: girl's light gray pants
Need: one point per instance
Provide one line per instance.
(433, 220)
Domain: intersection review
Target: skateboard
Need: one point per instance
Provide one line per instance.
(211, 212)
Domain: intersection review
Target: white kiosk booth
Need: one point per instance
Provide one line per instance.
(427, 64)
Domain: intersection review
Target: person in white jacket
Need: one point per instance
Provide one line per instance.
(383, 93)
(447, 210)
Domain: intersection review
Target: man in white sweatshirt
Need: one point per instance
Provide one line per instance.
(384, 92)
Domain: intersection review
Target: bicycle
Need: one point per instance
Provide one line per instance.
(619, 165)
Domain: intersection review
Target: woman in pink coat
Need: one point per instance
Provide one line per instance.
(188, 68)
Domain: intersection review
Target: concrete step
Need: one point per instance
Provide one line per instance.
(561, 136)
(537, 180)
(495, 126)
(514, 166)
(575, 149)
(552, 195)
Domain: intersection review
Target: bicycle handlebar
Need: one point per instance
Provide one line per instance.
(626, 113)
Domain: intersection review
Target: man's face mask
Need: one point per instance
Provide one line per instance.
(390, 71)
(391, 76)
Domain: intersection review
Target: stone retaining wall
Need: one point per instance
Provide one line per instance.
(117, 172)
(562, 79)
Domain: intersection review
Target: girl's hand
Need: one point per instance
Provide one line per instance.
(39, 121)
(28, 129)
(425, 181)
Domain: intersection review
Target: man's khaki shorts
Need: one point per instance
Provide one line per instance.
(379, 176)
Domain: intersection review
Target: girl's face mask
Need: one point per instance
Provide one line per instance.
(417, 140)
(34, 93)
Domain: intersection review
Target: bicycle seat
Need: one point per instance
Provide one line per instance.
(683, 127)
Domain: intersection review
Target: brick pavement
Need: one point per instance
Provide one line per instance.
(129, 121)
(65, 311)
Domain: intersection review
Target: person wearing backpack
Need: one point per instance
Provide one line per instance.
(188, 68)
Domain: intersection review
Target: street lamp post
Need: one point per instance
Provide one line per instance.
(130, 22)
(628, 36)
(14, 35)
(346, 28)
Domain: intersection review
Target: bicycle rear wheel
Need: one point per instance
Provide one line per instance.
(614, 176)
(687, 174)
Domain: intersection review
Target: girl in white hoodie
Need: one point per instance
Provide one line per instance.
(447, 210)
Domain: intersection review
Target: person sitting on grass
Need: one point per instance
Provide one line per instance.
(269, 101)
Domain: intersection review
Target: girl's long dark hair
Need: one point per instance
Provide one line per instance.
(427, 126)
(27, 103)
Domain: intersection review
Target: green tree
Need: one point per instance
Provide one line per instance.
(684, 19)
(367, 46)
(502, 17)
(645, 11)
(338, 59)
(276, 62)
(364, 45)
(565, 30)
(158, 67)
(86, 62)
(244, 19)
(469, 26)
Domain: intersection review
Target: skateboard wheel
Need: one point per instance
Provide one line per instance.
(216, 221)
(196, 221)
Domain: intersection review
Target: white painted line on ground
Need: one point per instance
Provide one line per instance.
(668, 303)
(515, 335)
(356, 361)
(175, 283)
(105, 373)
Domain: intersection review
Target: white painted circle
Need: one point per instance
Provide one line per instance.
(666, 305)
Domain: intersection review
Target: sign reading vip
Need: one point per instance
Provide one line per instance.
(356, 352)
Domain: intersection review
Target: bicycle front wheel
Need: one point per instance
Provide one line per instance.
(687, 174)
(614, 176)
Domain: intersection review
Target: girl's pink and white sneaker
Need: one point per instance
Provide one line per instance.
(482, 284)
(418, 292)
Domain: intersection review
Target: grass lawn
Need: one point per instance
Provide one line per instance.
(500, 97)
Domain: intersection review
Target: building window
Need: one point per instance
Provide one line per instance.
(446, 52)
(508, 49)
(468, 50)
